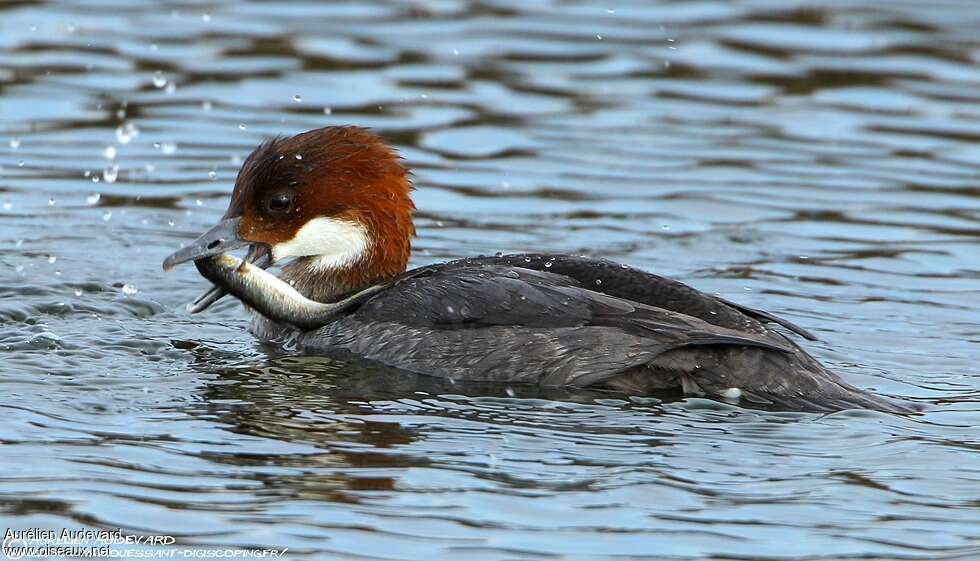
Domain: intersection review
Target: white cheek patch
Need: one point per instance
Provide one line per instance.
(337, 243)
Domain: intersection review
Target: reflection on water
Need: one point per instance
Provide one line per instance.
(819, 159)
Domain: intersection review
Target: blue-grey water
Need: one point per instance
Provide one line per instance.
(817, 159)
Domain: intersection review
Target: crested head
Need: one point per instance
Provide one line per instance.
(335, 198)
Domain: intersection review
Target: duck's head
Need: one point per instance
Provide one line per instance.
(337, 196)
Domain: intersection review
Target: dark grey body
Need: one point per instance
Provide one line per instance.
(559, 320)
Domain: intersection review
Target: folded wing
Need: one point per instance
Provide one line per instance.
(503, 323)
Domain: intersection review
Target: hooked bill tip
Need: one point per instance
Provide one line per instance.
(168, 263)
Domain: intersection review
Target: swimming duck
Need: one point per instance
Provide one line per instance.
(336, 202)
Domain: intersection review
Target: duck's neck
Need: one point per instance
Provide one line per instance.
(328, 284)
(326, 278)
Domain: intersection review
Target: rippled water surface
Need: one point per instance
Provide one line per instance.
(820, 160)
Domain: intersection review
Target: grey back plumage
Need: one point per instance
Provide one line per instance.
(572, 321)
(479, 320)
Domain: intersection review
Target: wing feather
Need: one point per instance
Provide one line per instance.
(509, 324)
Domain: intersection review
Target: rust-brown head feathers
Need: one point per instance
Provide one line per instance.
(340, 188)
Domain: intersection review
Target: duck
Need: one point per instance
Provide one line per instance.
(333, 207)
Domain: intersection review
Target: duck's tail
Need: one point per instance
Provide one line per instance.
(785, 380)
(797, 381)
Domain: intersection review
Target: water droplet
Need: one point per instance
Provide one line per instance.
(510, 391)
(297, 98)
(15, 143)
(747, 289)
(206, 17)
(598, 282)
(110, 173)
(7, 205)
(665, 228)
(78, 292)
(599, 37)
(212, 175)
(199, 202)
(52, 258)
(169, 148)
(20, 163)
(206, 105)
(299, 156)
(170, 222)
(126, 132)
(96, 179)
(611, 10)
(129, 289)
(159, 80)
(455, 52)
(107, 216)
(527, 259)
(51, 201)
(109, 153)
(242, 126)
(548, 265)
(624, 266)
(731, 393)
(93, 198)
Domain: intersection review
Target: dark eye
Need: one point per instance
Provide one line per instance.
(280, 202)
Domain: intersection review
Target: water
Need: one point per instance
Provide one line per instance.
(817, 160)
